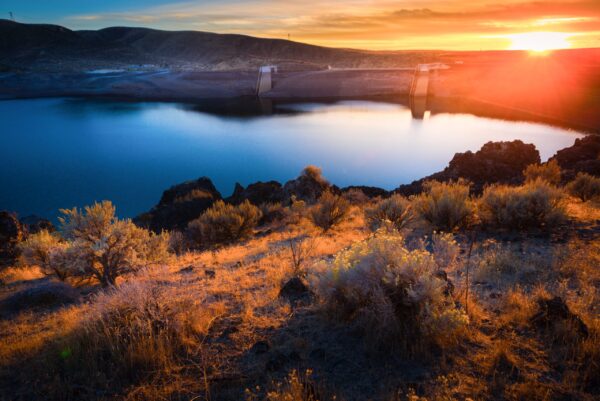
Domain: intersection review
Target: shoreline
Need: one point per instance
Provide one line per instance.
(435, 105)
(448, 92)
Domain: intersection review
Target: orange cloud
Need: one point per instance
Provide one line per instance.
(384, 24)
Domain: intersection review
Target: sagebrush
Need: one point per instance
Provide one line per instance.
(585, 187)
(95, 244)
(395, 210)
(393, 295)
(329, 211)
(534, 205)
(446, 206)
(224, 223)
(549, 172)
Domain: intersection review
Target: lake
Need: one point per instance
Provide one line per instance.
(60, 153)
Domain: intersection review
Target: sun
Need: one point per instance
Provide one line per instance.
(539, 42)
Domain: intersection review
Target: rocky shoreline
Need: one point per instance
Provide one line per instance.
(495, 162)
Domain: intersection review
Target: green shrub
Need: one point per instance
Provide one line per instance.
(329, 211)
(445, 205)
(224, 223)
(394, 296)
(549, 172)
(536, 204)
(396, 210)
(585, 187)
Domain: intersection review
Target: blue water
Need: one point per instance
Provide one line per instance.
(60, 153)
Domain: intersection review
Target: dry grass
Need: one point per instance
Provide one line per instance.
(295, 387)
(188, 330)
(11, 275)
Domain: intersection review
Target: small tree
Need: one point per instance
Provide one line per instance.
(104, 247)
(585, 187)
(48, 251)
(549, 172)
(329, 211)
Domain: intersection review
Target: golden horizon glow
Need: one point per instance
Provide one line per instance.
(540, 42)
(372, 25)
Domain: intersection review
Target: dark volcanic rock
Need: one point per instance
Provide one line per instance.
(371, 192)
(307, 187)
(583, 156)
(36, 224)
(179, 205)
(294, 290)
(554, 310)
(11, 233)
(257, 193)
(260, 347)
(495, 162)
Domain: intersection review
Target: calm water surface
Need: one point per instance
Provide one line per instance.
(59, 153)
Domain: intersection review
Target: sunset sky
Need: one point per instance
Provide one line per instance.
(383, 24)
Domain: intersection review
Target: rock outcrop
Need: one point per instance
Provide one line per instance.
(11, 233)
(554, 311)
(370, 192)
(257, 193)
(495, 162)
(309, 186)
(36, 224)
(583, 156)
(179, 205)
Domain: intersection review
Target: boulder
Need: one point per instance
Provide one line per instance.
(583, 156)
(257, 193)
(179, 205)
(294, 290)
(11, 233)
(260, 347)
(555, 310)
(495, 162)
(35, 224)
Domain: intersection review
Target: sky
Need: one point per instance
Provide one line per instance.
(366, 24)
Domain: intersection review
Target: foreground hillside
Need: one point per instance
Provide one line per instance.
(479, 289)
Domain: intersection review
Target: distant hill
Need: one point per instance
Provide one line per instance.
(53, 47)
